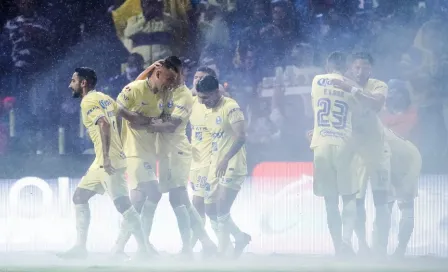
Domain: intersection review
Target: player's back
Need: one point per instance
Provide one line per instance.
(405, 155)
(138, 96)
(201, 139)
(333, 110)
(96, 105)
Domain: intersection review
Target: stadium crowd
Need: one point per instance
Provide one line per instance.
(266, 52)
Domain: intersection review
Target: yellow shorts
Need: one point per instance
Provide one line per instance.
(198, 180)
(333, 171)
(140, 170)
(211, 189)
(174, 171)
(97, 180)
(375, 169)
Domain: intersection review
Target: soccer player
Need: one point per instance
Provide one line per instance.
(228, 169)
(175, 161)
(334, 149)
(373, 151)
(106, 173)
(201, 141)
(148, 97)
(406, 164)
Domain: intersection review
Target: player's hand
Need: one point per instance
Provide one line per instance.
(221, 168)
(341, 85)
(107, 165)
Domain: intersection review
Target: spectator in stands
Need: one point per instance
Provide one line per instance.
(213, 29)
(134, 67)
(29, 38)
(152, 34)
(243, 84)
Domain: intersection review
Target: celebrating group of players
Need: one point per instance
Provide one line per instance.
(153, 113)
(351, 147)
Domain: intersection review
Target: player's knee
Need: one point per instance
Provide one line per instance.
(210, 210)
(151, 191)
(82, 196)
(178, 196)
(380, 198)
(198, 203)
(122, 204)
(138, 198)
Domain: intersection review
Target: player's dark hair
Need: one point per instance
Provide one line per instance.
(207, 84)
(362, 56)
(207, 70)
(338, 61)
(87, 74)
(173, 63)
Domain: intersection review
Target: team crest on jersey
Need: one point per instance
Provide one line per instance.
(324, 82)
(218, 120)
(160, 105)
(170, 104)
(198, 136)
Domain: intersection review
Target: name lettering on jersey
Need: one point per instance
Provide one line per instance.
(330, 133)
(127, 89)
(198, 128)
(92, 110)
(180, 107)
(233, 110)
(331, 92)
(218, 120)
(105, 103)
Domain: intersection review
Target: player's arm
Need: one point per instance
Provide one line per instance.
(238, 125)
(95, 116)
(126, 101)
(374, 101)
(145, 74)
(181, 112)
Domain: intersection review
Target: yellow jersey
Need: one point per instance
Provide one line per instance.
(405, 155)
(219, 121)
(178, 106)
(138, 96)
(333, 109)
(94, 106)
(201, 139)
(368, 126)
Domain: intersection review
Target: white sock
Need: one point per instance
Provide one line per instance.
(197, 225)
(194, 237)
(223, 233)
(82, 223)
(132, 222)
(147, 217)
(183, 222)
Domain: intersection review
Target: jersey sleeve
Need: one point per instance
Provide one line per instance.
(234, 113)
(126, 98)
(182, 107)
(91, 111)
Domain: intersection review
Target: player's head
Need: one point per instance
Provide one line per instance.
(83, 80)
(208, 91)
(175, 64)
(361, 67)
(165, 77)
(336, 63)
(152, 8)
(201, 72)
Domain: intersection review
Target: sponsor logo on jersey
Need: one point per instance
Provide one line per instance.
(324, 82)
(170, 104)
(105, 103)
(198, 136)
(92, 110)
(330, 133)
